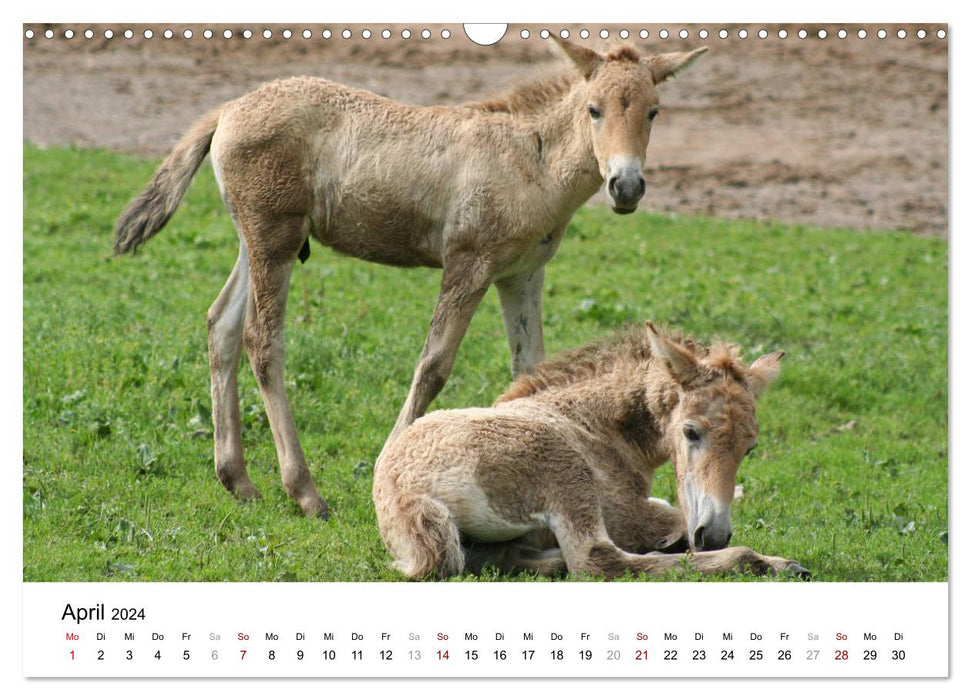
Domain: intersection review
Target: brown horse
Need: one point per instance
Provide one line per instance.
(484, 191)
(570, 451)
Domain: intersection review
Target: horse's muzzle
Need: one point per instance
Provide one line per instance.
(704, 538)
(625, 184)
(626, 191)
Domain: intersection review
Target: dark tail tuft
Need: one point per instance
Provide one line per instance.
(151, 210)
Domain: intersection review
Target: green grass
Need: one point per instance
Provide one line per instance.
(850, 477)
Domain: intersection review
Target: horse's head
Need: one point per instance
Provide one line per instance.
(710, 430)
(620, 104)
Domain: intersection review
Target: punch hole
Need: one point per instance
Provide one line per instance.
(446, 33)
(69, 34)
(881, 34)
(544, 33)
(921, 34)
(227, 34)
(267, 34)
(901, 33)
(703, 34)
(643, 34)
(49, 34)
(485, 34)
(129, 34)
(861, 34)
(841, 33)
(426, 34)
(405, 33)
(187, 34)
(584, 33)
(604, 33)
(109, 34)
(663, 34)
(29, 34)
(168, 34)
(327, 34)
(683, 34)
(821, 34)
(941, 34)
(783, 34)
(346, 34)
(88, 34)
(743, 34)
(306, 33)
(802, 34)
(722, 33)
(366, 34)
(624, 33)
(148, 34)
(385, 33)
(524, 34)
(564, 33)
(763, 34)
(207, 34)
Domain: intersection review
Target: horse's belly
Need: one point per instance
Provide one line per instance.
(380, 229)
(477, 519)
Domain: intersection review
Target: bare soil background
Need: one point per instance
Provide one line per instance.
(830, 132)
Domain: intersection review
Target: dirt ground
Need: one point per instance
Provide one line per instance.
(833, 132)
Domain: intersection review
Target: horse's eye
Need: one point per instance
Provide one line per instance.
(691, 433)
(652, 114)
(594, 111)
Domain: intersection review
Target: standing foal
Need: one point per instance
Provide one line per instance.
(483, 190)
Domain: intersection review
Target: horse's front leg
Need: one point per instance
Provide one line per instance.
(521, 298)
(465, 279)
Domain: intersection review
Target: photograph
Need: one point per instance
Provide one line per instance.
(551, 303)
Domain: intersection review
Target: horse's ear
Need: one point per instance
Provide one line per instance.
(587, 60)
(668, 64)
(763, 371)
(680, 361)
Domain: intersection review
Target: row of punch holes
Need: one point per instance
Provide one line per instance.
(446, 33)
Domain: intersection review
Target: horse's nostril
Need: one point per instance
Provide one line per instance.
(612, 186)
(643, 187)
(699, 538)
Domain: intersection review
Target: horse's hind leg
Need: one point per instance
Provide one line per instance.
(521, 299)
(271, 262)
(514, 557)
(225, 330)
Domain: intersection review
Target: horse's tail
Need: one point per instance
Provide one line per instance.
(422, 537)
(151, 210)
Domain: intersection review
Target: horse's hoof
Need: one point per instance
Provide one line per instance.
(674, 544)
(795, 568)
(317, 508)
(247, 492)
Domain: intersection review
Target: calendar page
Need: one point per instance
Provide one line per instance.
(540, 350)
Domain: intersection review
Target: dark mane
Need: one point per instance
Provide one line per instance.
(628, 346)
(530, 94)
(539, 90)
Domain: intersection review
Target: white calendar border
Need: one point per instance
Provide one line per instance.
(501, 10)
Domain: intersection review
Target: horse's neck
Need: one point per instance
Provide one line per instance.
(608, 405)
(568, 147)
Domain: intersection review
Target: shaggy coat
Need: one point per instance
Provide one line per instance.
(557, 474)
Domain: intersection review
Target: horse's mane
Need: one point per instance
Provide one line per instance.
(629, 346)
(537, 91)
(531, 93)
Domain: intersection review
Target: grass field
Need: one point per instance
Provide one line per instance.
(850, 477)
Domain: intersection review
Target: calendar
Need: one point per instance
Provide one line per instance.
(577, 630)
(546, 197)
